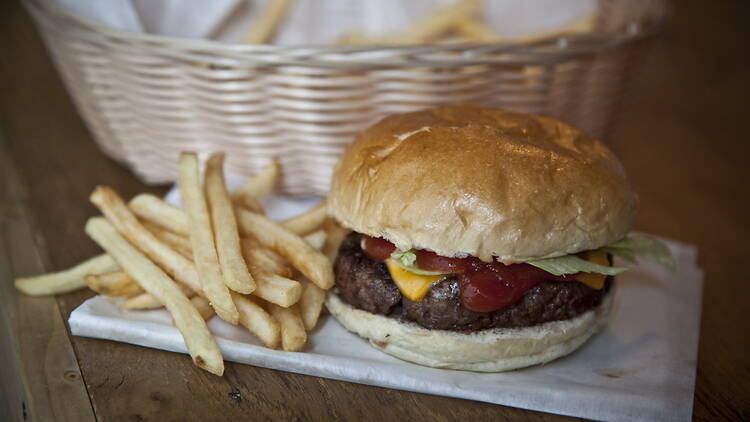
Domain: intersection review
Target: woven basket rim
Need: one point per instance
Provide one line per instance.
(540, 51)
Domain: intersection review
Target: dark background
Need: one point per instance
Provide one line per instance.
(683, 135)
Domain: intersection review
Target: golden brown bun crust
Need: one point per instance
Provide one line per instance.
(465, 180)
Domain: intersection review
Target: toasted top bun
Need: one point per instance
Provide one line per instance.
(465, 180)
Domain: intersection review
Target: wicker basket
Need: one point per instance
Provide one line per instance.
(148, 97)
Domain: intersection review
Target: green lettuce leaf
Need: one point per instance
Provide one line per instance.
(407, 260)
(622, 253)
(634, 248)
(629, 248)
(571, 264)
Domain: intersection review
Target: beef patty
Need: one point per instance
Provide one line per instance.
(367, 285)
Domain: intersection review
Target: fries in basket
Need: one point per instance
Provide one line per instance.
(219, 256)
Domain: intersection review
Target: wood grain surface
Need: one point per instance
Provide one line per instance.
(682, 136)
(34, 344)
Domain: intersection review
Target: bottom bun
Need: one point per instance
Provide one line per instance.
(493, 350)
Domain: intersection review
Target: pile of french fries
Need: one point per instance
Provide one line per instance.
(459, 22)
(455, 22)
(219, 255)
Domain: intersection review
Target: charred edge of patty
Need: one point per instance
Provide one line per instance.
(367, 285)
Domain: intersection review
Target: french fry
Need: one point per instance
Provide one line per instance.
(279, 290)
(159, 215)
(437, 22)
(272, 277)
(261, 257)
(336, 235)
(153, 209)
(259, 185)
(202, 240)
(233, 266)
(179, 267)
(66, 280)
(258, 321)
(308, 221)
(142, 301)
(251, 203)
(251, 315)
(356, 38)
(585, 23)
(313, 264)
(474, 30)
(458, 18)
(174, 240)
(203, 307)
(311, 304)
(316, 239)
(199, 342)
(263, 29)
(293, 334)
(145, 300)
(115, 283)
(157, 212)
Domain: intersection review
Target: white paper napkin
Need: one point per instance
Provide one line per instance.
(117, 14)
(184, 18)
(640, 367)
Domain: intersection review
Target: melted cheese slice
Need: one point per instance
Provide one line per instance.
(413, 286)
(594, 280)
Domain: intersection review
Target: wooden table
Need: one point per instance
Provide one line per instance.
(683, 137)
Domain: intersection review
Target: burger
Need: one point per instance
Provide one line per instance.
(481, 239)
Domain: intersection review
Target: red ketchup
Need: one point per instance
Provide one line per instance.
(485, 286)
(489, 286)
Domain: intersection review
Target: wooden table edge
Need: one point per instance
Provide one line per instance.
(42, 380)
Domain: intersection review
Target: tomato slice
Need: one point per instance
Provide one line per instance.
(377, 248)
(430, 261)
